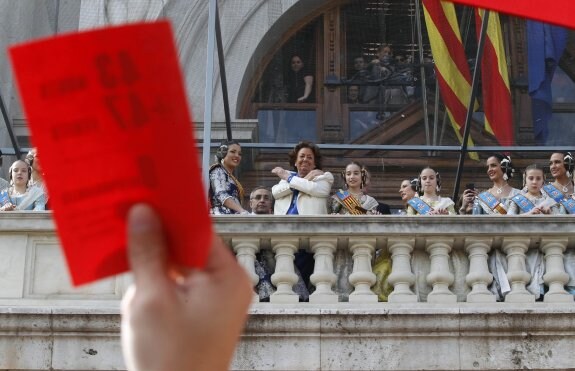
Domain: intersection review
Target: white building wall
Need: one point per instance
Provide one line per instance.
(245, 25)
(20, 21)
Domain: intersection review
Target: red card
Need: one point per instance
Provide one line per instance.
(109, 116)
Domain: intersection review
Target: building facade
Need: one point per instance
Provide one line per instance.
(348, 105)
(440, 314)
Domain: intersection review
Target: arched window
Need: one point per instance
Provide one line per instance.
(364, 63)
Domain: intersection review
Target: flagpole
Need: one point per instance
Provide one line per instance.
(467, 129)
(208, 91)
(15, 145)
(422, 71)
(223, 79)
(435, 114)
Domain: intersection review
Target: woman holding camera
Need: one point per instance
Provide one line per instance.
(495, 199)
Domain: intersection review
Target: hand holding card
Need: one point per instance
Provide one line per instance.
(108, 113)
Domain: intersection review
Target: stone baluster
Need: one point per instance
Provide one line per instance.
(401, 276)
(515, 248)
(246, 250)
(362, 277)
(323, 276)
(479, 276)
(284, 276)
(555, 276)
(439, 276)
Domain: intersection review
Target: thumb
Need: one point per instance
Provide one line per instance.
(147, 250)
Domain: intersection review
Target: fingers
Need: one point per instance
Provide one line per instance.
(469, 193)
(147, 250)
(8, 207)
(220, 257)
(222, 263)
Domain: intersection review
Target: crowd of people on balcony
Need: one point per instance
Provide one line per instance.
(307, 189)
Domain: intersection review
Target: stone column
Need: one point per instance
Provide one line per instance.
(401, 276)
(323, 276)
(515, 248)
(362, 277)
(246, 250)
(284, 276)
(439, 276)
(479, 276)
(555, 276)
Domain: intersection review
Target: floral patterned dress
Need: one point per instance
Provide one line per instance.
(223, 185)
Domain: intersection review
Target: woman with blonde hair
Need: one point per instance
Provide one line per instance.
(20, 195)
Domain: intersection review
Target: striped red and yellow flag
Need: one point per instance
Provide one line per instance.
(496, 92)
(451, 66)
(349, 202)
(561, 12)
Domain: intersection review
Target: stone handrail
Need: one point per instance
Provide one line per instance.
(33, 271)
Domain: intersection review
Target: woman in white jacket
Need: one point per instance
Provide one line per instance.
(304, 191)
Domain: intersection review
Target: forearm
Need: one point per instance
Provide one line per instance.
(466, 210)
(308, 87)
(307, 90)
(231, 204)
(281, 190)
(316, 188)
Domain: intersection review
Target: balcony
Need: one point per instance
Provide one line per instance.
(439, 317)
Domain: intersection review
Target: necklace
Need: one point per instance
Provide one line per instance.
(499, 190)
(563, 186)
(15, 192)
(534, 198)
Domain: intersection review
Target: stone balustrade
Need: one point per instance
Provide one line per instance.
(455, 251)
(440, 314)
